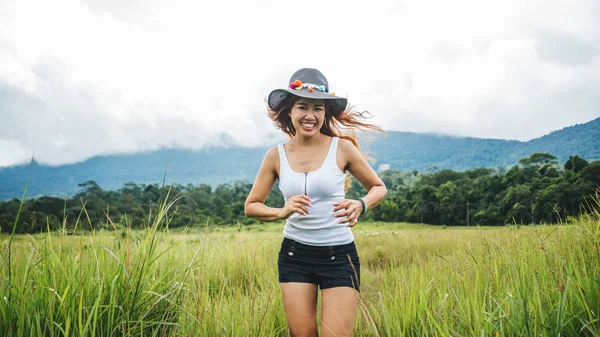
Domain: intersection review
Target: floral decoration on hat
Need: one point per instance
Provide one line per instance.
(298, 85)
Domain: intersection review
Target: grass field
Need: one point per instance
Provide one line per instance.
(417, 281)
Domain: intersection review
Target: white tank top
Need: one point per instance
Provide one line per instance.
(325, 186)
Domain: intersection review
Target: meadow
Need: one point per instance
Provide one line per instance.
(417, 280)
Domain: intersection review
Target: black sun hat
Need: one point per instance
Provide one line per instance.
(308, 83)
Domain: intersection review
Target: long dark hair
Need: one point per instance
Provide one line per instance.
(343, 125)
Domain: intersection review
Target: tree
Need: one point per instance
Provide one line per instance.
(591, 173)
(426, 203)
(389, 211)
(517, 204)
(538, 158)
(536, 191)
(575, 164)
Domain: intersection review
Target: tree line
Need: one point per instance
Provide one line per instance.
(538, 190)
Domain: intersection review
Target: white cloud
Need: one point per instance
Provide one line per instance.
(82, 78)
(12, 152)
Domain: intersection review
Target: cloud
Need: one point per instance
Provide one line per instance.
(557, 47)
(84, 78)
(65, 123)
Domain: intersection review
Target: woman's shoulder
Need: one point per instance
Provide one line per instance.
(271, 160)
(348, 148)
(345, 145)
(272, 154)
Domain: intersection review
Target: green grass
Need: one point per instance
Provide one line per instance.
(417, 281)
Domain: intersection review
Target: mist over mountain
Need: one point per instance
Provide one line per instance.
(397, 150)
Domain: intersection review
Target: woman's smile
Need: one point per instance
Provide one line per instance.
(309, 126)
(308, 115)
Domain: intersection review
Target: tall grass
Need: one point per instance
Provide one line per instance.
(417, 281)
(509, 282)
(96, 284)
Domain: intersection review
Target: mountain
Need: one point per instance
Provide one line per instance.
(421, 151)
(397, 150)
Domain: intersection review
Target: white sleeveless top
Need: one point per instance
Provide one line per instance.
(325, 186)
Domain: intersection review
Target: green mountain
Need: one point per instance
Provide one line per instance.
(420, 151)
(397, 150)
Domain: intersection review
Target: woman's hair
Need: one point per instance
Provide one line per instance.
(344, 125)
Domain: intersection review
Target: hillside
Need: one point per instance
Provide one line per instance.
(420, 151)
(400, 150)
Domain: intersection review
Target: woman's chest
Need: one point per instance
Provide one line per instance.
(323, 184)
(308, 160)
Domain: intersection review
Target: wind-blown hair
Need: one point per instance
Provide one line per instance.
(344, 125)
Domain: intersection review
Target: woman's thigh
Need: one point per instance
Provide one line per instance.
(338, 311)
(300, 304)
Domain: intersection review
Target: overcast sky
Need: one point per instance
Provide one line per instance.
(80, 78)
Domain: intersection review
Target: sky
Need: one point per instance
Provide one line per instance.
(81, 78)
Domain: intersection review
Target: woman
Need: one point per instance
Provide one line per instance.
(318, 247)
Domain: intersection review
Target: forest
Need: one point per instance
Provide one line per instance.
(537, 190)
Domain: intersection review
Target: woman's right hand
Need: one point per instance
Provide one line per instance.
(295, 204)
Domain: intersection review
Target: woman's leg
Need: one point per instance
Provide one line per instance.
(300, 304)
(338, 311)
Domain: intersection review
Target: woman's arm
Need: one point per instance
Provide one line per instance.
(360, 169)
(255, 203)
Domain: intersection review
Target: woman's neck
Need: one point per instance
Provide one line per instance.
(302, 141)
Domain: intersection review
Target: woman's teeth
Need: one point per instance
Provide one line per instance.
(308, 125)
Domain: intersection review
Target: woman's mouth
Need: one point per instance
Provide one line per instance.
(308, 126)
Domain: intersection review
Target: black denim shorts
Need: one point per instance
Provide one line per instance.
(327, 267)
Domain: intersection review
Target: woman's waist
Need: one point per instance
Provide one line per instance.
(320, 213)
(322, 204)
(338, 235)
(341, 248)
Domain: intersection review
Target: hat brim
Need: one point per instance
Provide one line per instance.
(277, 96)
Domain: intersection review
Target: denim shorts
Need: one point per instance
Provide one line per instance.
(325, 266)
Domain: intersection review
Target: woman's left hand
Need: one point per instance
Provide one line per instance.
(352, 210)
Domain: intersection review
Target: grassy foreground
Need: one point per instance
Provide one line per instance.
(417, 281)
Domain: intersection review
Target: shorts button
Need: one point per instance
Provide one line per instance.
(292, 248)
(333, 257)
(291, 253)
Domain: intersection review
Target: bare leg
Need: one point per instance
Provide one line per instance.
(339, 311)
(300, 304)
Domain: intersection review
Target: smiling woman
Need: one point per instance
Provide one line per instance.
(318, 248)
(308, 121)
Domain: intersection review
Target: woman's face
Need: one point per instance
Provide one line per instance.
(308, 115)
